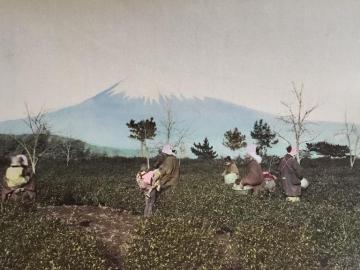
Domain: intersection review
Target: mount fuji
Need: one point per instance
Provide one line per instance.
(101, 120)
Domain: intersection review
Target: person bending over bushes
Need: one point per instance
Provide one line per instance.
(169, 169)
(159, 180)
(253, 178)
(147, 182)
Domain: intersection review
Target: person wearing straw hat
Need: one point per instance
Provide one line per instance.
(291, 175)
(253, 178)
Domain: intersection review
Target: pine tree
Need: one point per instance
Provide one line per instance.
(142, 131)
(234, 140)
(328, 149)
(263, 135)
(204, 151)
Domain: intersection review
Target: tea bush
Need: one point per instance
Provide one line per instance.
(204, 217)
(29, 241)
(269, 245)
(103, 181)
(174, 243)
(336, 231)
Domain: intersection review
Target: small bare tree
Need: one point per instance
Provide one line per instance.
(174, 135)
(352, 134)
(35, 144)
(297, 117)
(182, 150)
(168, 122)
(66, 148)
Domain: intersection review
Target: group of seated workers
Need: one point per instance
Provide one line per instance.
(290, 171)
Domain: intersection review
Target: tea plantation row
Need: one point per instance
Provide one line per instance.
(203, 224)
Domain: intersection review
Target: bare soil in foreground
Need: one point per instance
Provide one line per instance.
(111, 227)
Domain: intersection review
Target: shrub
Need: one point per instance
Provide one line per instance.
(207, 211)
(269, 245)
(174, 243)
(106, 181)
(29, 241)
(336, 232)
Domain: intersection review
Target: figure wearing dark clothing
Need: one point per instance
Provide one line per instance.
(169, 172)
(166, 175)
(253, 173)
(159, 159)
(291, 174)
(150, 199)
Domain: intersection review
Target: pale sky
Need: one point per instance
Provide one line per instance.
(60, 52)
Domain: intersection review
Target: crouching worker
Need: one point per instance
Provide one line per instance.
(270, 184)
(231, 172)
(291, 175)
(169, 170)
(253, 178)
(147, 182)
(19, 180)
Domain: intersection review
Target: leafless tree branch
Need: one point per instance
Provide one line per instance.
(38, 127)
(297, 117)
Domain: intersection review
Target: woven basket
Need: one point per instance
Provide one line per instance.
(242, 191)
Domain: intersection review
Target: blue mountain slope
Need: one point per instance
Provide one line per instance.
(101, 120)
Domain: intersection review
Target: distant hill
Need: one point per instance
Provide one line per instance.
(111, 151)
(101, 120)
(8, 146)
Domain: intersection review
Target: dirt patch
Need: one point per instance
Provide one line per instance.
(111, 227)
